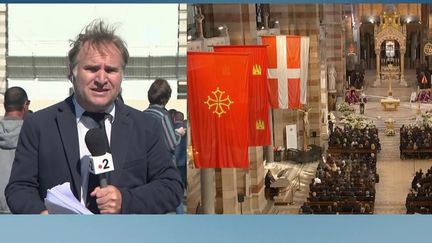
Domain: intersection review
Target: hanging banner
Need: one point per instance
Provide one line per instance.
(218, 108)
(259, 129)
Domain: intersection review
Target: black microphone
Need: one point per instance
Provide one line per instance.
(101, 160)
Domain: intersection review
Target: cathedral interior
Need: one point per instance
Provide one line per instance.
(369, 90)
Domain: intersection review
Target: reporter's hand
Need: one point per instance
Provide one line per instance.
(108, 199)
(45, 212)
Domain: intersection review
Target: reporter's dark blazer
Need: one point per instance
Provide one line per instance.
(48, 155)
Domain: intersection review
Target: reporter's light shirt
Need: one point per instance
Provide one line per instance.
(84, 124)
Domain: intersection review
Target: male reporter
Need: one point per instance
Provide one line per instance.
(52, 150)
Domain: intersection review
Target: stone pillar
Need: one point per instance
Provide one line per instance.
(314, 88)
(269, 149)
(255, 198)
(278, 127)
(208, 191)
(349, 30)
(324, 102)
(402, 68)
(230, 203)
(337, 32)
(378, 70)
(207, 176)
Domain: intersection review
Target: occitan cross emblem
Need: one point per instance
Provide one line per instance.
(218, 103)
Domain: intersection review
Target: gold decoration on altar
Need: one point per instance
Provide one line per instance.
(389, 131)
(391, 19)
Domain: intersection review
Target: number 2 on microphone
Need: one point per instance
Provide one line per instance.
(102, 164)
(106, 164)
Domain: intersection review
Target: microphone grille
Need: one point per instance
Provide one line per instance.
(97, 141)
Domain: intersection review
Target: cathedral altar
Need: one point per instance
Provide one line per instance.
(390, 48)
(390, 103)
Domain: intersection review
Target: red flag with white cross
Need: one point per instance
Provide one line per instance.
(288, 70)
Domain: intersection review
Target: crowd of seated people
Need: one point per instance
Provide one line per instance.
(416, 138)
(355, 138)
(419, 199)
(343, 186)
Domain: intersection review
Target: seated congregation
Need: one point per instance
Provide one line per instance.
(362, 140)
(345, 180)
(416, 140)
(419, 199)
(343, 185)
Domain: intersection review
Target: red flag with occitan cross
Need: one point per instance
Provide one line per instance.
(218, 108)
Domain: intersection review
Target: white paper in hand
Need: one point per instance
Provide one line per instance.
(60, 200)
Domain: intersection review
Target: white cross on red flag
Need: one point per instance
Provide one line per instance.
(288, 70)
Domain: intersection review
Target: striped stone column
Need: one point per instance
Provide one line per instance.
(335, 39)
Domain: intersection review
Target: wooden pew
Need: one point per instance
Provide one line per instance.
(339, 151)
(415, 152)
(415, 206)
(323, 204)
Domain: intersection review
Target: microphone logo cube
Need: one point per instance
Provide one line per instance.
(101, 164)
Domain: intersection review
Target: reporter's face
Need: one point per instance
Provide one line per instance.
(98, 75)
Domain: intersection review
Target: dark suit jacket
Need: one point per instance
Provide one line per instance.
(48, 155)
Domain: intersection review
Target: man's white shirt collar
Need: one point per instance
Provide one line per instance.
(79, 110)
